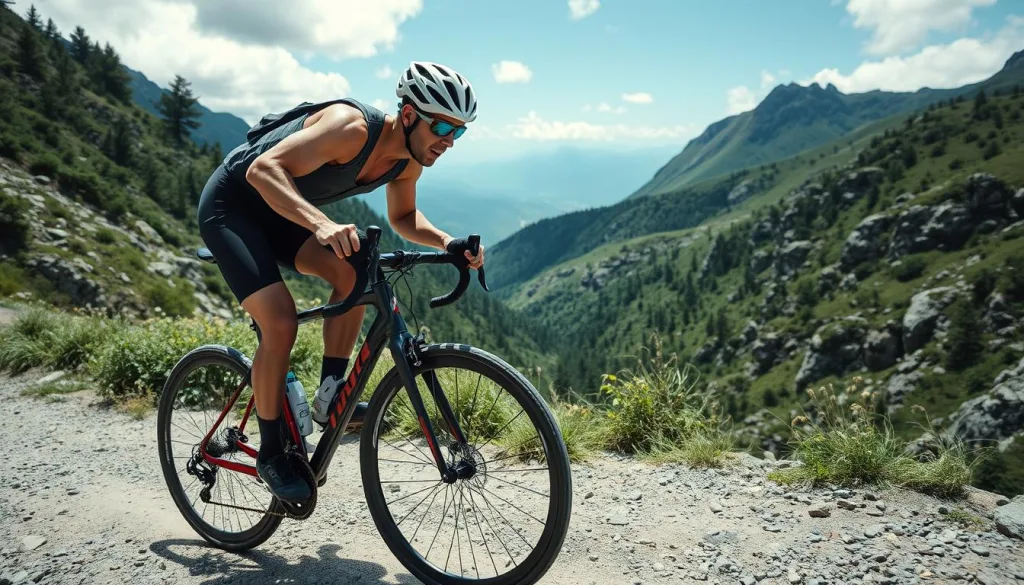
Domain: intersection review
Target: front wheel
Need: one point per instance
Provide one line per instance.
(503, 520)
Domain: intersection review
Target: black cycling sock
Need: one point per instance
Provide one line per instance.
(333, 366)
(270, 438)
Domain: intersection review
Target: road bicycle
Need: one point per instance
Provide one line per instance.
(446, 423)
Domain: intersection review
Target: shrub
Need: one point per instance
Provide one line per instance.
(965, 330)
(46, 164)
(657, 409)
(40, 338)
(846, 441)
(14, 227)
(910, 268)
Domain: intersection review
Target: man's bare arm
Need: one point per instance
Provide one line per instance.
(338, 135)
(408, 221)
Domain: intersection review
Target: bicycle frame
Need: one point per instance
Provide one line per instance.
(388, 330)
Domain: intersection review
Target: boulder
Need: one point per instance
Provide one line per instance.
(882, 348)
(792, 256)
(67, 278)
(996, 415)
(865, 241)
(762, 232)
(828, 280)
(760, 260)
(899, 385)
(741, 192)
(949, 227)
(907, 237)
(835, 349)
(147, 230)
(856, 184)
(767, 352)
(750, 331)
(920, 319)
(1017, 203)
(997, 315)
(1010, 518)
(988, 196)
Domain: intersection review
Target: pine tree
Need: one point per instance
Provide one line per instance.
(51, 30)
(29, 56)
(81, 46)
(965, 330)
(118, 143)
(34, 20)
(108, 75)
(178, 108)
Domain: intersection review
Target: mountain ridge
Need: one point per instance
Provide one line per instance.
(792, 118)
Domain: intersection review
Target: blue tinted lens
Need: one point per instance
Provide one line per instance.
(444, 129)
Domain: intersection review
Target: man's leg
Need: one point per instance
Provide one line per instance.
(340, 333)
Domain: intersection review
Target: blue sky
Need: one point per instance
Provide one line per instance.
(616, 74)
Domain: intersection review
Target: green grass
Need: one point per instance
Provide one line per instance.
(844, 441)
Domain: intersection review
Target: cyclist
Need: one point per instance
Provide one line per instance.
(260, 209)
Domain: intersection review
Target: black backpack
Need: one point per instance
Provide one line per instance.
(272, 121)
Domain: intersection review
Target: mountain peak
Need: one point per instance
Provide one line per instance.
(1017, 59)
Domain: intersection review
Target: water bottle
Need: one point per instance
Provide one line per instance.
(322, 400)
(300, 405)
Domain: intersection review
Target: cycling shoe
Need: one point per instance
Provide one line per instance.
(282, 480)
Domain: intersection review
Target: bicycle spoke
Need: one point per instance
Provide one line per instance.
(413, 494)
(520, 487)
(482, 537)
(483, 489)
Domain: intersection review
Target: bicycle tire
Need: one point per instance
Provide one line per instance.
(207, 355)
(549, 545)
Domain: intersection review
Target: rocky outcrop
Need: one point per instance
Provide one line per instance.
(69, 277)
(762, 232)
(858, 183)
(923, 228)
(835, 349)
(792, 256)
(741, 192)
(997, 313)
(921, 318)
(988, 196)
(865, 241)
(995, 416)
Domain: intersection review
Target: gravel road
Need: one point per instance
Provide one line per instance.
(83, 501)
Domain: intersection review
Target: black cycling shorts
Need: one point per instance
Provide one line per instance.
(246, 236)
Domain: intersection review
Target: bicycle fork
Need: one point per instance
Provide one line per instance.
(404, 351)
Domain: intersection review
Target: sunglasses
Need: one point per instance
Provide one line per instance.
(442, 128)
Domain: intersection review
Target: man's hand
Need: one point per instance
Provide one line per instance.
(342, 238)
(456, 245)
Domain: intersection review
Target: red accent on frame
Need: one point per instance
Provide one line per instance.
(350, 384)
(430, 443)
(232, 465)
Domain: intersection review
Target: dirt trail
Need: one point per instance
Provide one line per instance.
(83, 501)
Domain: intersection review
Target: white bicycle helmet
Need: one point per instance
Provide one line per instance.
(437, 89)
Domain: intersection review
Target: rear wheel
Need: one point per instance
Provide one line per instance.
(504, 519)
(231, 510)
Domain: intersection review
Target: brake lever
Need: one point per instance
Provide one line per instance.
(474, 248)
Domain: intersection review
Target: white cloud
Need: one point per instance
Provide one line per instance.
(740, 99)
(902, 25)
(605, 108)
(511, 72)
(638, 98)
(238, 60)
(384, 72)
(338, 28)
(533, 127)
(583, 8)
(383, 105)
(938, 66)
